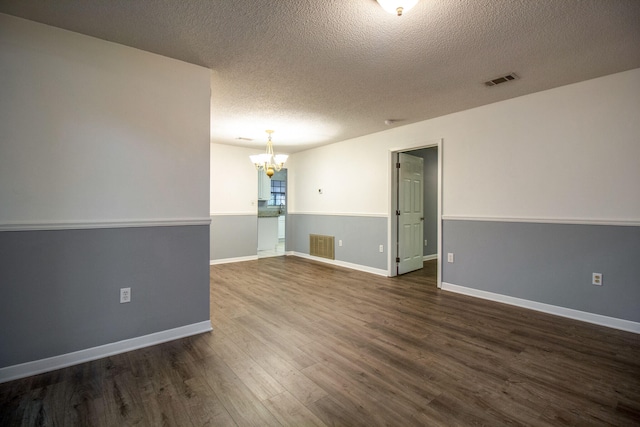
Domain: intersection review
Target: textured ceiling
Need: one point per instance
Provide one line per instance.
(321, 71)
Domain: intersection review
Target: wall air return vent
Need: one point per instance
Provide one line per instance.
(503, 79)
(322, 246)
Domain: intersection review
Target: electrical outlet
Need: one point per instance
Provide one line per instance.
(381, 248)
(339, 242)
(596, 279)
(450, 257)
(125, 295)
(425, 242)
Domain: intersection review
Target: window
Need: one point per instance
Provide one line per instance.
(278, 193)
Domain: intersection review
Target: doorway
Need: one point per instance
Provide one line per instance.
(272, 214)
(403, 230)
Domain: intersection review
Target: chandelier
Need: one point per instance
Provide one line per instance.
(397, 6)
(268, 161)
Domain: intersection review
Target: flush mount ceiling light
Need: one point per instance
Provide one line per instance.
(397, 7)
(268, 161)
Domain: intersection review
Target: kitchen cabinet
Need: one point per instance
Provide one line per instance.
(281, 227)
(264, 186)
(267, 233)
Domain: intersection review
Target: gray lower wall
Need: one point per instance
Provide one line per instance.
(548, 263)
(233, 236)
(60, 290)
(361, 236)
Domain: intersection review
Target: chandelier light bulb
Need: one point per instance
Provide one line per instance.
(397, 7)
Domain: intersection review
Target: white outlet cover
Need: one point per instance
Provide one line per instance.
(596, 279)
(125, 295)
(450, 257)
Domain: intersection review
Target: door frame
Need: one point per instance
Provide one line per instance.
(286, 213)
(392, 234)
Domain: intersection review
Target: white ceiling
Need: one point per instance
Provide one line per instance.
(322, 71)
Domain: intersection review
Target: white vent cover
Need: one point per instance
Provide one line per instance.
(503, 79)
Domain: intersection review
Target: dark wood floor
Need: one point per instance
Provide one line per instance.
(302, 343)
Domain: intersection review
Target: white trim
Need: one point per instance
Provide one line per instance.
(429, 257)
(440, 207)
(611, 322)
(252, 213)
(64, 360)
(392, 269)
(374, 215)
(82, 225)
(230, 260)
(579, 221)
(366, 269)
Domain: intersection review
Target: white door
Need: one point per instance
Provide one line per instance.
(410, 213)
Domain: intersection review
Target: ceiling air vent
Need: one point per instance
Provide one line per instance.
(502, 79)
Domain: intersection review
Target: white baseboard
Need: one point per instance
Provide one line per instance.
(230, 260)
(611, 322)
(35, 367)
(352, 266)
(429, 257)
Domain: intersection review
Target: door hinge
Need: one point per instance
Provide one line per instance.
(397, 212)
(397, 259)
(398, 165)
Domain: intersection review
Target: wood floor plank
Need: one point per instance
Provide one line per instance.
(333, 413)
(257, 345)
(291, 378)
(375, 380)
(248, 370)
(367, 402)
(269, 326)
(242, 405)
(277, 336)
(290, 412)
(123, 402)
(205, 408)
(354, 398)
(170, 409)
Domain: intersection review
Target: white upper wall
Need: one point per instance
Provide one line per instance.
(234, 181)
(95, 131)
(566, 153)
(353, 177)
